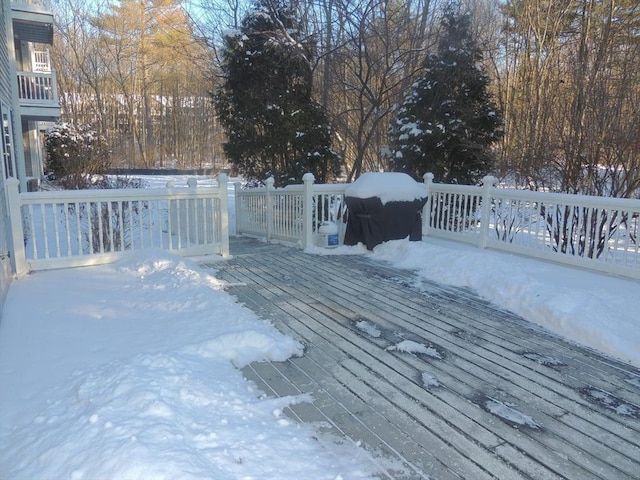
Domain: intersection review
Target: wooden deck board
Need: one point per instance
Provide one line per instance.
(517, 357)
(366, 392)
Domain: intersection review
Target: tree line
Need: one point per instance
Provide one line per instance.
(563, 76)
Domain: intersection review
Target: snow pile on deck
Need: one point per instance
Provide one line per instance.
(593, 309)
(388, 186)
(590, 308)
(127, 371)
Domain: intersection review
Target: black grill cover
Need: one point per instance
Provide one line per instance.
(372, 223)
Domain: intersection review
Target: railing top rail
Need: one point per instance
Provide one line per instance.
(330, 187)
(23, 73)
(536, 196)
(452, 188)
(117, 194)
(251, 191)
(567, 198)
(321, 188)
(290, 188)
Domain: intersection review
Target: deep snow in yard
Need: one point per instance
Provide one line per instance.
(130, 370)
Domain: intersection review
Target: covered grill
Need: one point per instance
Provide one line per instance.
(384, 206)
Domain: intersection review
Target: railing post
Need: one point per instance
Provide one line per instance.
(174, 213)
(426, 210)
(224, 213)
(269, 182)
(487, 184)
(190, 213)
(307, 208)
(54, 85)
(237, 201)
(18, 254)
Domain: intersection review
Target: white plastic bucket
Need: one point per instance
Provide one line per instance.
(328, 235)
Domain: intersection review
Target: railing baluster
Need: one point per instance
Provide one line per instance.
(45, 229)
(110, 230)
(133, 218)
(619, 244)
(32, 228)
(121, 224)
(179, 219)
(65, 205)
(100, 227)
(143, 216)
(77, 206)
(56, 228)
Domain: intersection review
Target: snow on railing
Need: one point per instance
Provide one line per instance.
(56, 229)
(597, 233)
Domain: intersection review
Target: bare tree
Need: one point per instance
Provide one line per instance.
(78, 63)
(373, 52)
(138, 72)
(570, 91)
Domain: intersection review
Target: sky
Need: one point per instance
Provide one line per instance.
(131, 370)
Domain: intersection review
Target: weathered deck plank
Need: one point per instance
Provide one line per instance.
(585, 406)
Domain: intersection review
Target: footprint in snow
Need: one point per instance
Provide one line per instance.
(510, 414)
(368, 328)
(409, 346)
(543, 359)
(610, 401)
(429, 380)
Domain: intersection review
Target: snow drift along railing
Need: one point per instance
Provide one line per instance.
(56, 229)
(290, 214)
(597, 233)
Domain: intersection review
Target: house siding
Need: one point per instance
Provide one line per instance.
(5, 97)
(5, 263)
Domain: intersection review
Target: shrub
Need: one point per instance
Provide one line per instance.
(75, 154)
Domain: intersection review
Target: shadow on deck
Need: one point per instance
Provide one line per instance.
(441, 381)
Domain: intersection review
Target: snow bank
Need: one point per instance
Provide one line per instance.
(593, 309)
(388, 186)
(127, 371)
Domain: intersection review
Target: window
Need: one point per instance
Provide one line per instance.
(8, 159)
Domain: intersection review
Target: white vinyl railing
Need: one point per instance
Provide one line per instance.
(597, 233)
(38, 87)
(56, 229)
(290, 214)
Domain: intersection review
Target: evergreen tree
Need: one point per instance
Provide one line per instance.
(448, 122)
(274, 127)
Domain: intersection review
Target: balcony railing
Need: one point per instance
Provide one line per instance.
(40, 61)
(38, 88)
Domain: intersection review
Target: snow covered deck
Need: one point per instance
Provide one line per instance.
(441, 381)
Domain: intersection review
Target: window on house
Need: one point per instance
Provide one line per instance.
(8, 159)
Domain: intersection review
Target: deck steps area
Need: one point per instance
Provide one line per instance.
(435, 379)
